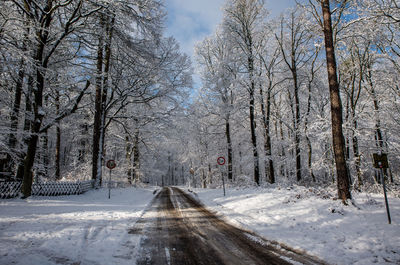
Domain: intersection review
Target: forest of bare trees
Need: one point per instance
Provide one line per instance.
(305, 97)
(71, 69)
(321, 85)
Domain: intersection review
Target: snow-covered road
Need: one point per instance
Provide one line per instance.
(178, 230)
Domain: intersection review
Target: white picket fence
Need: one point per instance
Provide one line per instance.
(11, 189)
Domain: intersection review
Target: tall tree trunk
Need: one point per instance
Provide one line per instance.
(253, 121)
(12, 139)
(41, 68)
(37, 122)
(347, 117)
(283, 153)
(306, 134)
(27, 126)
(136, 156)
(58, 138)
(173, 174)
(83, 142)
(16, 108)
(240, 159)
(209, 174)
(254, 140)
(268, 163)
(229, 144)
(342, 172)
(297, 122)
(203, 178)
(128, 157)
(96, 155)
(104, 94)
(356, 152)
(44, 154)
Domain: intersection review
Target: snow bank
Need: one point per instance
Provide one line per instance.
(309, 219)
(82, 229)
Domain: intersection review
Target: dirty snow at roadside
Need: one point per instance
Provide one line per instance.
(81, 229)
(309, 219)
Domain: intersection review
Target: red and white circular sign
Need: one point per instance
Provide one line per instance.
(221, 160)
(111, 164)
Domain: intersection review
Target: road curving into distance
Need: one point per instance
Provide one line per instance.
(176, 229)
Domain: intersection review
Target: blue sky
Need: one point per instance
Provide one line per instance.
(190, 21)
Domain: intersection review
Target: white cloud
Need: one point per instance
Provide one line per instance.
(189, 21)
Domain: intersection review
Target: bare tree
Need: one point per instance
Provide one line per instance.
(243, 21)
(343, 178)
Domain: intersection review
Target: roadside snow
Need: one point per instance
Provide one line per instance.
(308, 219)
(82, 229)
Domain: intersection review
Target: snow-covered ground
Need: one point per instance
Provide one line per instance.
(91, 229)
(309, 219)
(82, 229)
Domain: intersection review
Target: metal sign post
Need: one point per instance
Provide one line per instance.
(386, 200)
(381, 162)
(110, 165)
(221, 162)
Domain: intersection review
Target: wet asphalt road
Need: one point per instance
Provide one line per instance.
(176, 230)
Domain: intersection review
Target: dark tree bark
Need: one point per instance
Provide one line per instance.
(229, 144)
(27, 126)
(291, 59)
(209, 174)
(58, 138)
(309, 145)
(266, 113)
(104, 97)
(44, 150)
(44, 154)
(356, 153)
(136, 155)
(128, 156)
(99, 131)
(343, 178)
(252, 117)
(268, 145)
(45, 47)
(203, 179)
(242, 18)
(96, 156)
(83, 143)
(311, 78)
(41, 66)
(12, 141)
(297, 124)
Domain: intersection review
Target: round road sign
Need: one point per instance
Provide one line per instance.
(111, 164)
(221, 160)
